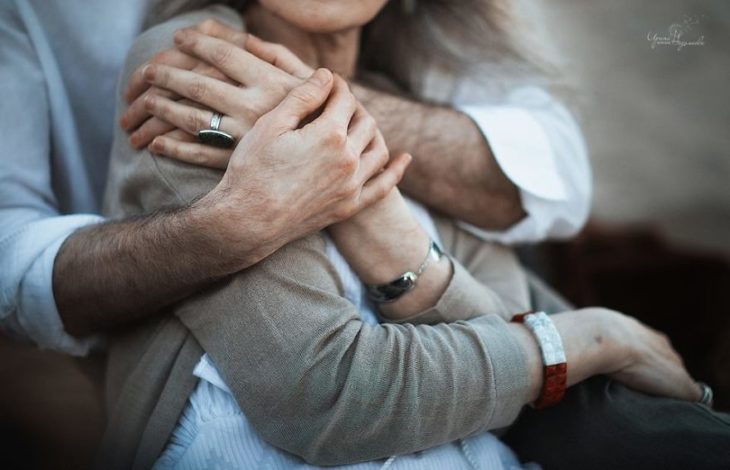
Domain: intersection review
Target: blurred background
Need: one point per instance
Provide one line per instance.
(656, 117)
(657, 122)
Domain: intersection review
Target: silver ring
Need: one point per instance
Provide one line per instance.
(215, 137)
(707, 395)
(215, 121)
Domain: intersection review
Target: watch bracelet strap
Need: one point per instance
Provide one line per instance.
(555, 366)
(393, 290)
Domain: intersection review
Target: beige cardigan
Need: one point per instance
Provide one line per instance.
(309, 374)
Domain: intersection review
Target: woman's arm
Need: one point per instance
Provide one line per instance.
(386, 240)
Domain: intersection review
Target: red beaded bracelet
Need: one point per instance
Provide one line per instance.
(555, 372)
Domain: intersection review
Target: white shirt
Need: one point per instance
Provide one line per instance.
(54, 155)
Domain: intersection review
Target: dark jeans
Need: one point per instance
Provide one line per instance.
(600, 424)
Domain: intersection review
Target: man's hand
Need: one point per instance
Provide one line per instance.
(299, 179)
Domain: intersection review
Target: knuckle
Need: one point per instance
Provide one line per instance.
(149, 102)
(159, 58)
(160, 73)
(193, 121)
(335, 137)
(221, 55)
(350, 161)
(158, 145)
(349, 189)
(381, 191)
(278, 82)
(345, 210)
(200, 158)
(197, 89)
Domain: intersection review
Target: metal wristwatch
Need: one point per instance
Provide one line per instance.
(391, 291)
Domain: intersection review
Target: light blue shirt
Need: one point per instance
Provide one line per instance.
(59, 63)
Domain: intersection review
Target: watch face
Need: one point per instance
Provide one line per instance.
(406, 282)
(391, 291)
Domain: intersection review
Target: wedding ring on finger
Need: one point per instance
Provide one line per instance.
(215, 137)
(707, 395)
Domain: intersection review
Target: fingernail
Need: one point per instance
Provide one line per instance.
(321, 77)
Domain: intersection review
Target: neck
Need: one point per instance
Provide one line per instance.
(336, 51)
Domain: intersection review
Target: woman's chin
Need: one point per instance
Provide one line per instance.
(317, 16)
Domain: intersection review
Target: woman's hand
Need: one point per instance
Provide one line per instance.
(262, 72)
(648, 361)
(606, 342)
(136, 120)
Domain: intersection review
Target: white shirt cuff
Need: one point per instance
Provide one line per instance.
(539, 147)
(31, 312)
(521, 147)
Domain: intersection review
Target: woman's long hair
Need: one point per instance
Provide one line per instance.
(482, 40)
(451, 39)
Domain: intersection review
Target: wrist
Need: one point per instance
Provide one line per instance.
(616, 330)
(224, 231)
(382, 241)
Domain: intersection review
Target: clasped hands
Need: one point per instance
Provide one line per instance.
(308, 155)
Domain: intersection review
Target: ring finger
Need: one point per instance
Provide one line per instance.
(189, 118)
(207, 91)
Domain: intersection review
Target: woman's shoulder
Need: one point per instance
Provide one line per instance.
(160, 37)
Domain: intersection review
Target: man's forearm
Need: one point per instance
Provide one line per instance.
(453, 168)
(113, 273)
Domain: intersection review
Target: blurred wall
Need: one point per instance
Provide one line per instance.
(657, 120)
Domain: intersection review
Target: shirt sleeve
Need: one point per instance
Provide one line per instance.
(27, 305)
(539, 146)
(31, 228)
